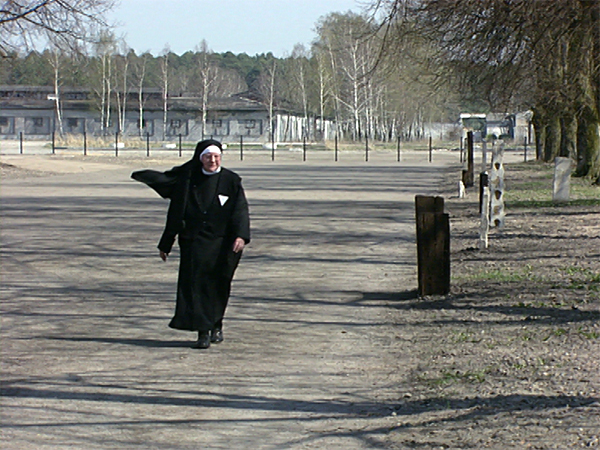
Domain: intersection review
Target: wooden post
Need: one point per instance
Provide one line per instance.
(398, 157)
(469, 174)
(117, 144)
(147, 143)
(84, 143)
(180, 145)
(53, 143)
(21, 142)
(366, 148)
(241, 148)
(483, 182)
(433, 246)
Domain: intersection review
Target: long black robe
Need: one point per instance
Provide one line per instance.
(207, 213)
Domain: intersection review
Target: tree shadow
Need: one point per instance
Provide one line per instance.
(149, 343)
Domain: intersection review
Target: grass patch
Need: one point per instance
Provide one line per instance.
(530, 186)
(504, 275)
(588, 334)
(448, 377)
(549, 203)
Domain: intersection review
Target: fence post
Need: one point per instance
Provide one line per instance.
(484, 212)
(525, 149)
(433, 246)
(303, 148)
(117, 144)
(366, 148)
(272, 145)
(180, 145)
(336, 147)
(53, 143)
(84, 143)
(430, 149)
(483, 182)
(469, 173)
(398, 150)
(483, 155)
(241, 147)
(21, 142)
(497, 187)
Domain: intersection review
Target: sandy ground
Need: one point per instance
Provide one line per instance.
(326, 344)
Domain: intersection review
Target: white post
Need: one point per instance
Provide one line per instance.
(461, 189)
(562, 180)
(484, 156)
(497, 186)
(484, 226)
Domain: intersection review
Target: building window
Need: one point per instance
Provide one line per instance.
(72, 123)
(38, 121)
(250, 123)
(217, 123)
(175, 123)
(7, 125)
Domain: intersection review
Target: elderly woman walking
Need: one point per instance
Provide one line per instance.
(208, 213)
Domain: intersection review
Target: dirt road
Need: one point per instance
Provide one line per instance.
(326, 345)
(309, 358)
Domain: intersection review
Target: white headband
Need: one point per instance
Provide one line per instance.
(211, 149)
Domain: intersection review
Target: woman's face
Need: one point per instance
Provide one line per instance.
(211, 161)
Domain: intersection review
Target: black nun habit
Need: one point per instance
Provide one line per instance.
(207, 212)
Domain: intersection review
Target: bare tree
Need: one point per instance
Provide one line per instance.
(121, 84)
(207, 74)
(27, 23)
(139, 72)
(54, 57)
(299, 72)
(536, 54)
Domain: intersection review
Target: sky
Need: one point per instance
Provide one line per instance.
(239, 26)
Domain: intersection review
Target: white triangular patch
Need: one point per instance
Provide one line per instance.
(223, 199)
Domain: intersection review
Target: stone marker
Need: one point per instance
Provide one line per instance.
(562, 179)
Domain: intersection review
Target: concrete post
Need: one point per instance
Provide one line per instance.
(561, 187)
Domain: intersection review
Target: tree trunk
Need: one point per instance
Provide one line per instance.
(568, 136)
(539, 125)
(588, 145)
(553, 136)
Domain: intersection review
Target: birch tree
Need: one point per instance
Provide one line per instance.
(207, 73)
(164, 72)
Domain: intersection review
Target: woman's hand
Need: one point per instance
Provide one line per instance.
(163, 255)
(238, 245)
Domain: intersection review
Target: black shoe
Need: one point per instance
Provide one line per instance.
(216, 336)
(202, 342)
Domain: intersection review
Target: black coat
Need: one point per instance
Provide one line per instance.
(207, 262)
(229, 220)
